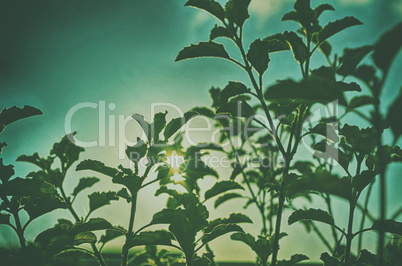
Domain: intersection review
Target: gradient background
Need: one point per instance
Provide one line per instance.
(55, 54)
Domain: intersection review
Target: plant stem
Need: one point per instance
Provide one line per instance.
(130, 228)
(19, 231)
(97, 254)
(349, 235)
(364, 214)
(329, 207)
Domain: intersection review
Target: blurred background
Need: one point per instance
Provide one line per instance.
(55, 54)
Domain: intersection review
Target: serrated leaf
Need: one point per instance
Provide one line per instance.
(359, 182)
(203, 49)
(29, 187)
(204, 111)
(236, 109)
(390, 226)
(110, 235)
(339, 25)
(175, 124)
(351, 58)
(237, 11)
(221, 187)
(146, 127)
(329, 151)
(313, 88)
(84, 237)
(234, 218)
(35, 159)
(299, 49)
(321, 8)
(14, 113)
(326, 130)
(226, 197)
(311, 214)
(393, 116)
(211, 6)
(157, 125)
(158, 237)
(387, 47)
(93, 224)
(245, 238)
(136, 152)
(100, 199)
(366, 257)
(66, 150)
(85, 182)
(276, 43)
(97, 166)
(233, 88)
(6, 171)
(258, 55)
(294, 260)
(329, 260)
(219, 31)
(219, 231)
(122, 193)
(361, 100)
(37, 206)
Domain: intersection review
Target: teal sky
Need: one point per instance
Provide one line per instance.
(56, 54)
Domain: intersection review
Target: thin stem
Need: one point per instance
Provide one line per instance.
(125, 250)
(364, 214)
(19, 230)
(349, 235)
(329, 207)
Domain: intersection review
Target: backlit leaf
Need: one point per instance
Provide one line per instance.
(221, 187)
(339, 25)
(311, 214)
(175, 124)
(351, 58)
(219, 31)
(236, 109)
(158, 237)
(258, 55)
(100, 199)
(237, 11)
(226, 197)
(390, 226)
(84, 237)
(85, 182)
(219, 231)
(14, 113)
(211, 6)
(203, 49)
(232, 89)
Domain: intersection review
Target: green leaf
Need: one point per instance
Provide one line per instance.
(366, 257)
(6, 171)
(219, 231)
(294, 260)
(146, 127)
(110, 235)
(359, 182)
(390, 226)
(387, 47)
(158, 237)
(237, 11)
(29, 187)
(311, 214)
(37, 206)
(351, 58)
(204, 111)
(329, 151)
(85, 182)
(299, 49)
(122, 193)
(361, 100)
(211, 6)
(67, 151)
(221, 187)
(136, 152)
(258, 56)
(93, 224)
(175, 124)
(100, 199)
(236, 109)
(203, 49)
(234, 218)
(4, 218)
(321, 8)
(158, 124)
(97, 166)
(326, 130)
(276, 43)
(245, 238)
(313, 88)
(226, 197)
(84, 237)
(234, 88)
(14, 113)
(329, 260)
(219, 31)
(393, 116)
(35, 159)
(215, 94)
(339, 25)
